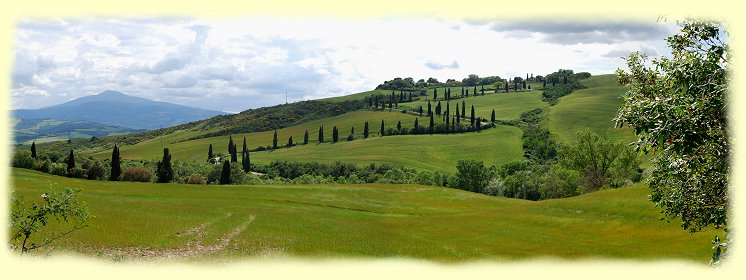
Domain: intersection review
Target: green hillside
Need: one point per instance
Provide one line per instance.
(146, 220)
(507, 106)
(591, 108)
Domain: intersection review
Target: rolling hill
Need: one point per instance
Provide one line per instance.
(49, 130)
(136, 221)
(118, 109)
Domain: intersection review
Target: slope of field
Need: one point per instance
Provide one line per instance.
(197, 149)
(591, 108)
(146, 220)
(507, 106)
(438, 152)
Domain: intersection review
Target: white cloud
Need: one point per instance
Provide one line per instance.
(237, 64)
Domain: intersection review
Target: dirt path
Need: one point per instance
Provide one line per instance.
(194, 247)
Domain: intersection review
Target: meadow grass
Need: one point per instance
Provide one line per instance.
(592, 108)
(403, 221)
(197, 149)
(438, 152)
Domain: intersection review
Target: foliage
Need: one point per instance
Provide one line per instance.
(552, 94)
(597, 159)
(23, 159)
(677, 108)
(164, 172)
(59, 169)
(472, 175)
(225, 174)
(136, 174)
(95, 170)
(116, 167)
(195, 179)
(59, 206)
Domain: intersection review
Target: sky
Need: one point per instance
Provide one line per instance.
(237, 64)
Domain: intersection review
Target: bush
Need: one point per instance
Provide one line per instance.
(472, 175)
(559, 183)
(77, 172)
(42, 165)
(59, 169)
(196, 180)
(136, 174)
(96, 171)
(23, 159)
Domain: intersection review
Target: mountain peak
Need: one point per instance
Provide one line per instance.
(111, 93)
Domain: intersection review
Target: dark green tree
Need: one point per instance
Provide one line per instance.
(163, 170)
(365, 131)
(432, 124)
(321, 134)
(230, 144)
(435, 93)
(234, 155)
(416, 123)
(472, 114)
(420, 111)
(438, 109)
(209, 153)
(305, 137)
(274, 141)
(463, 109)
(429, 109)
(225, 175)
(398, 126)
(33, 149)
(383, 131)
(335, 134)
(245, 161)
(116, 168)
(492, 118)
(244, 147)
(70, 161)
(290, 141)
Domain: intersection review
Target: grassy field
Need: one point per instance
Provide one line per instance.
(424, 152)
(191, 222)
(197, 149)
(591, 108)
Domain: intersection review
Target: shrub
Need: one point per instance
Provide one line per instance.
(23, 159)
(472, 175)
(559, 183)
(196, 180)
(96, 171)
(42, 165)
(136, 174)
(77, 172)
(59, 169)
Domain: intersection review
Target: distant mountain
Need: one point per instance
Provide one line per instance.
(116, 108)
(47, 130)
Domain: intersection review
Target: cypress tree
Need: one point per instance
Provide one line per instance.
(70, 162)
(335, 134)
(398, 126)
(475, 90)
(472, 114)
(420, 110)
(230, 144)
(245, 161)
(365, 130)
(352, 130)
(410, 96)
(429, 111)
(432, 124)
(467, 92)
(321, 134)
(274, 141)
(529, 87)
(435, 93)
(234, 155)
(457, 111)
(209, 153)
(524, 84)
(33, 149)
(453, 124)
(290, 141)
(383, 132)
(437, 109)
(463, 109)
(482, 89)
(244, 143)
(391, 101)
(448, 121)
(225, 175)
(479, 123)
(305, 137)
(492, 119)
(164, 172)
(416, 124)
(506, 86)
(116, 168)
(462, 91)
